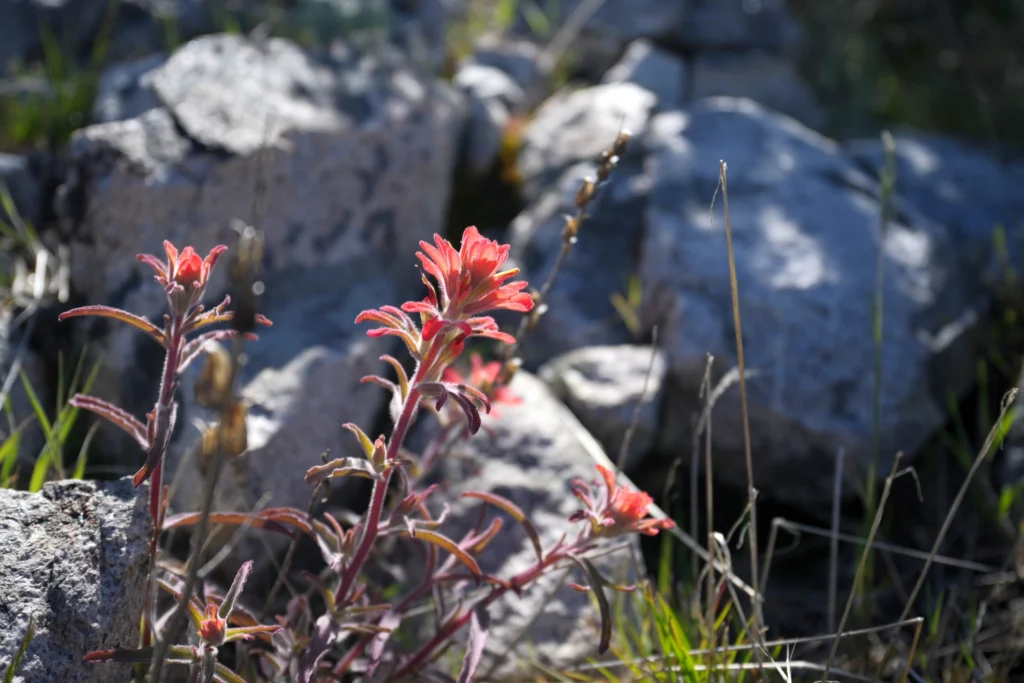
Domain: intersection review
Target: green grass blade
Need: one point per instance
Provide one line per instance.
(83, 453)
(12, 669)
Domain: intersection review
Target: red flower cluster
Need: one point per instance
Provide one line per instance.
(615, 509)
(185, 275)
(468, 282)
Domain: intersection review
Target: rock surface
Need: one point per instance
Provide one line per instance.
(806, 287)
(575, 126)
(603, 385)
(600, 265)
(73, 558)
(515, 456)
(767, 78)
(302, 382)
(966, 189)
(654, 69)
(350, 158)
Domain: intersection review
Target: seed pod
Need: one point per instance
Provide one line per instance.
(229, 435)
(213, 388)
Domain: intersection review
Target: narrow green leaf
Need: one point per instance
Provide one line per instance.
(12, 668)
(597, 588)
(83, 452)
(39, 471)
(364, 440)
(222, 674)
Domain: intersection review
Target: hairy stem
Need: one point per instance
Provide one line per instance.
(380, 489)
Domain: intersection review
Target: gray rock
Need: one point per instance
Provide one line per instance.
(603, 385)
(125, 90)
(604, 258)
(74, 558)
(609, 26)
(739, 25)
(806, 243)
(519, 58)
(301, 382)
(770, 79)
(20, 176)
(575, 126)
(654, 69)
(490, 118)
(528, 455)
(492, 94)
(489, 83)
(966, 189)
(351, 158)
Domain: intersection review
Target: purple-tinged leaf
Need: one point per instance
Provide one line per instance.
(515, 512)
(237, 585)
(194, 348)
(341, 467)
(364, 441)
(389, 622)
(135, 321)
(113, 414)
(448, 544)
(479, 625)
(318, 646)
(471, 411)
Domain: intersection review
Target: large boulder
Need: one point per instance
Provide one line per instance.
(347, 159)
(969, 190)
(807, 240)
(806, 219)
(74, 559)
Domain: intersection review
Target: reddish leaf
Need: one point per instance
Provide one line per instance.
(318, 646)
(448, 544)
(272, 519)
(479, 626)
(135, 321)
(250, 632)
(342, 467)
(515, 512)
(176, 654)
(115, 415)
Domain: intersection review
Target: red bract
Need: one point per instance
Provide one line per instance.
(468, 279)
(615, 509)
(184, 276)
(468, 283)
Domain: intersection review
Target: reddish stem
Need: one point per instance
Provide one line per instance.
(380, 489)
(451, 628)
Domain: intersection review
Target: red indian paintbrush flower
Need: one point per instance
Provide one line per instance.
(616, 509)
(468, 282)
